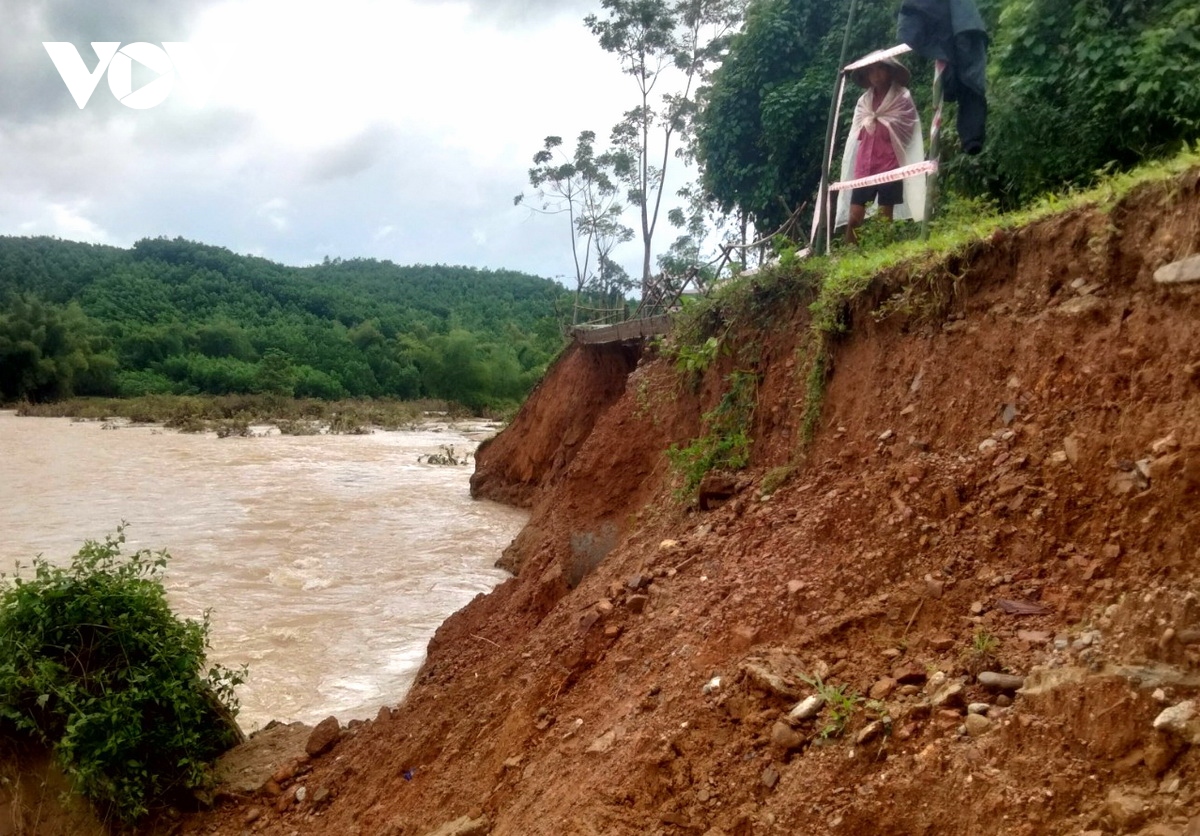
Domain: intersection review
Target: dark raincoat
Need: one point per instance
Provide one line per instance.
(953, 31)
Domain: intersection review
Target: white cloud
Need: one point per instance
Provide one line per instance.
(275, 213)
(70, 222)
(66, 220)
(395, 129)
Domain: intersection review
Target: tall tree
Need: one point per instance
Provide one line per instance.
(581, 187)
(47, 352)
(657, 40)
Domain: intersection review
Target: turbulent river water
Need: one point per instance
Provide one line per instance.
(327, 561)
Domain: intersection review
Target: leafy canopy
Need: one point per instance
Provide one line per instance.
(1075, 88)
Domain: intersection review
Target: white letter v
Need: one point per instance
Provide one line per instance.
(67, 60)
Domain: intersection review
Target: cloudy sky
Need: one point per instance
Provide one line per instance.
(396, 129)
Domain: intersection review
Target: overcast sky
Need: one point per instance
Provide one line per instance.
(396, 129)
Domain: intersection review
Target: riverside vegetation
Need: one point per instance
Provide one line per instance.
(95, 666)
(234, 414)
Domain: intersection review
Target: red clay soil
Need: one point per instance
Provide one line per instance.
(1004, 480)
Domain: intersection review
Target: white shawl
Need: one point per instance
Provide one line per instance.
(908, 145)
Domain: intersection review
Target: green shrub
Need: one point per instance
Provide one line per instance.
(135, 384)
(94, 664)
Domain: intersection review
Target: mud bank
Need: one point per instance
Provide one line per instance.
(984, 563)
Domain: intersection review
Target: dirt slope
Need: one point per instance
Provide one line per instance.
(1010, 488)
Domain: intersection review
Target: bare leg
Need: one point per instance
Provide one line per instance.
(858, 214)
(886, 211)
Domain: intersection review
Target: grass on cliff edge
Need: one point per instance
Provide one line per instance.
(842, 275)
(835, 280)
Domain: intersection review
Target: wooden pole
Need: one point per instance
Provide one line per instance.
(823, 195)
(935, 146)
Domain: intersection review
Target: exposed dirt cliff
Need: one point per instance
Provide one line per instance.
(1004, 480)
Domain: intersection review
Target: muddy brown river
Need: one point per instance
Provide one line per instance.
(327, 561)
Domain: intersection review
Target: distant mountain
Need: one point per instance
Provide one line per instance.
(183, 317)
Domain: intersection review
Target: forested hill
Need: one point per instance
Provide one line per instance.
(178, 316)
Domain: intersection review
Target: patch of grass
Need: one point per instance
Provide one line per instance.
(726, 442)
(841, 700)
(814, 392)
(984, 643)
(641, 395)
(981, 655)
(691, 359)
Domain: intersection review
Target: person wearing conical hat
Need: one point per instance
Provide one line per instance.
(885, 135)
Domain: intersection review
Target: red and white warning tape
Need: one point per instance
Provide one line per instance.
(892, 176)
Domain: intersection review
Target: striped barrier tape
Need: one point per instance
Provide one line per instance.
(892, 176)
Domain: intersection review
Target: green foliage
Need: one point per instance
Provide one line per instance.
(726, 442)
(695, 359)
(1077, 87)
(981, 655)
(814, 390)
(693, 220)
(786, 251)
(840, 700)
(275, 373)
(179, 317)
(135, 384)
(94, 664)
(745, 300)
(984, 643)
(877, 231)
(761, 128)
(51, 351)
(646, 401)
